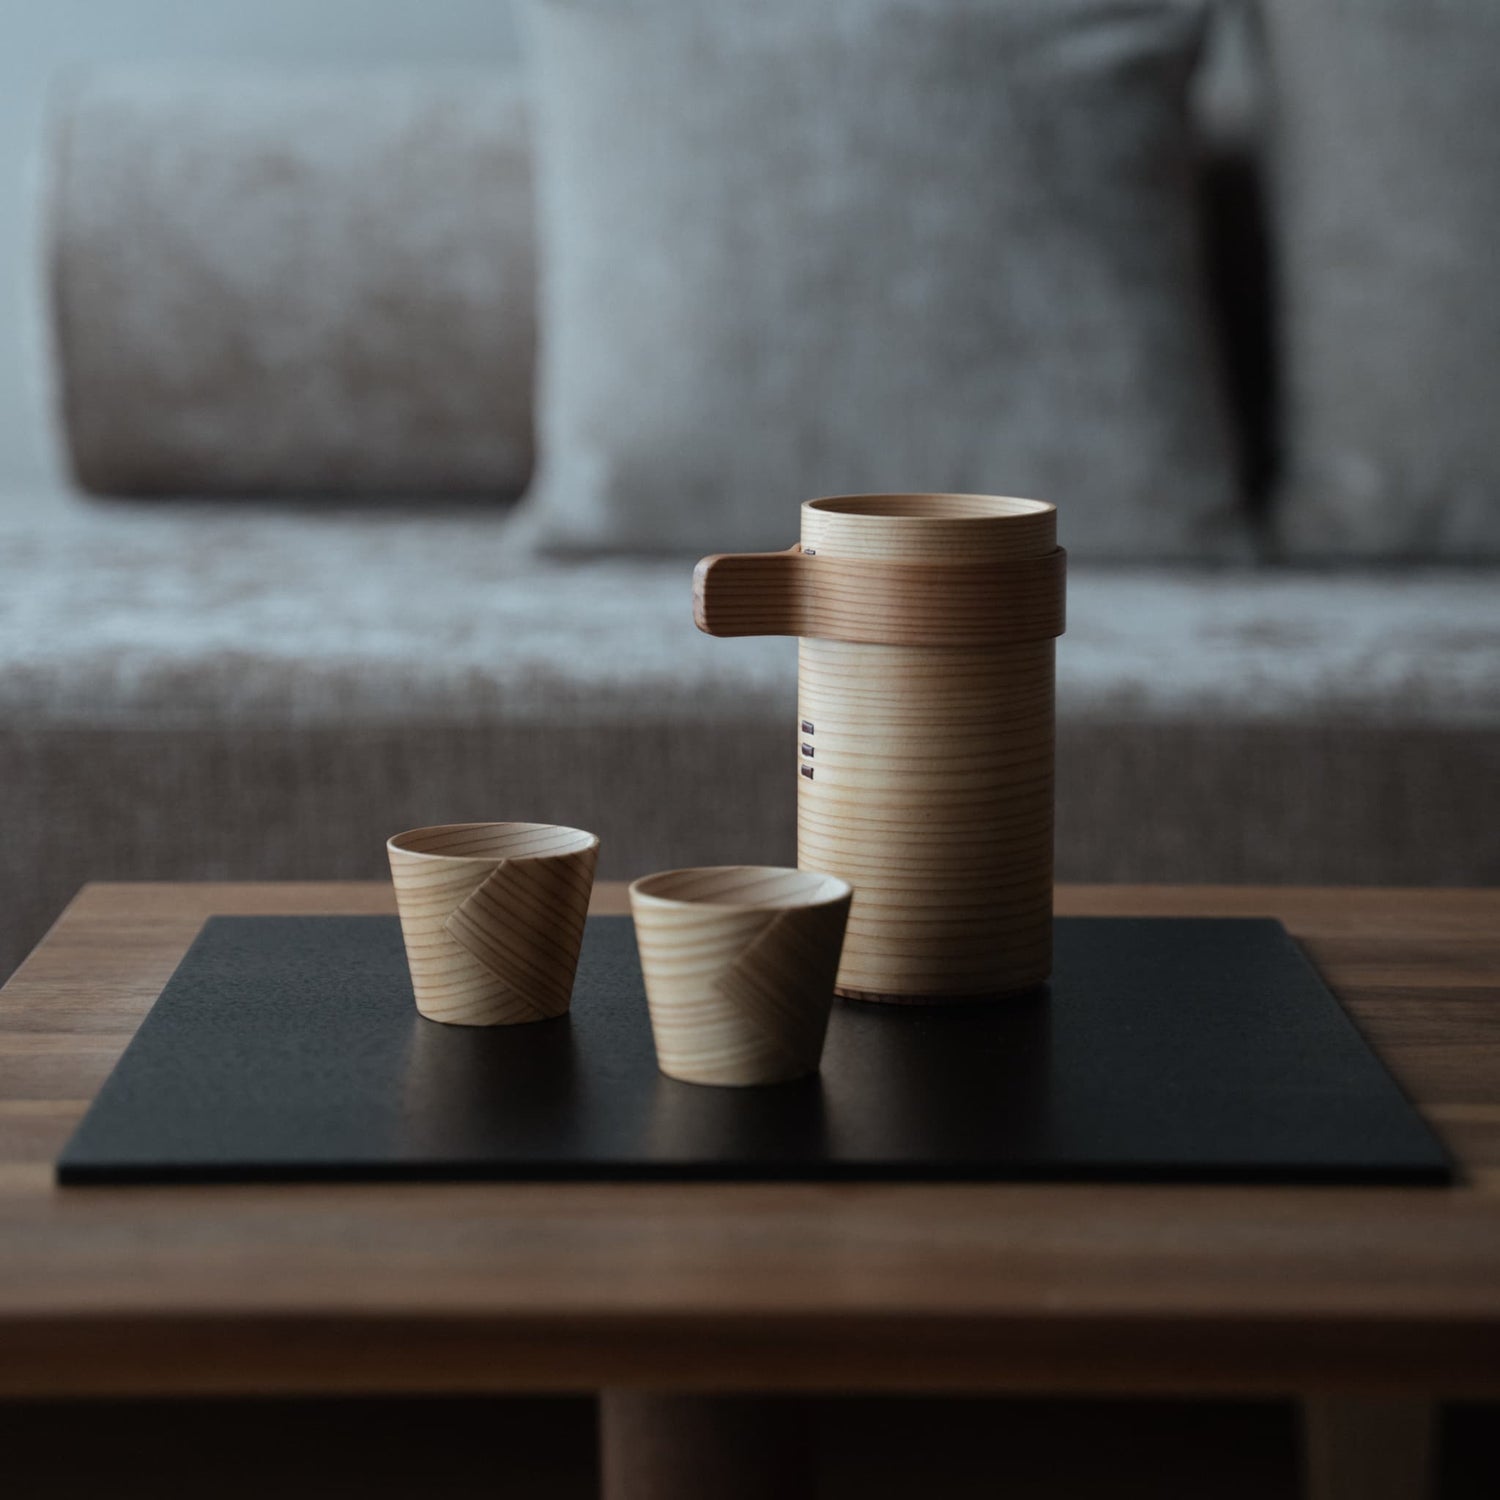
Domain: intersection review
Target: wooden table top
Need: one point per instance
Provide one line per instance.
(745, 1286)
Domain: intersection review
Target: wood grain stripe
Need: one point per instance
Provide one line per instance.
(794, 957)
(524, 922)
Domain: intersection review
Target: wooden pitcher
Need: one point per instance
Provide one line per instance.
(927, 628)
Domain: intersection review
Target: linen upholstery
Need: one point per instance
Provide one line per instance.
(793, 249)
(294, 284)
(198, 692)
(1384, 214)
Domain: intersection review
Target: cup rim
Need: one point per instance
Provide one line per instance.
(829, 892)
(871, 506)
(396, 845)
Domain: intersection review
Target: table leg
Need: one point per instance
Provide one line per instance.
(1362, 1448)
(655, 1446)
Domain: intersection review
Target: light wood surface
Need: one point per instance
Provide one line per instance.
(1062, 1287)
(492, 917)
(925, 774)
(739, 963)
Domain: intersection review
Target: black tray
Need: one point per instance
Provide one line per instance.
(1200, 1050)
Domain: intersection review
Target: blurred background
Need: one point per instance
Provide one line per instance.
(371, 374)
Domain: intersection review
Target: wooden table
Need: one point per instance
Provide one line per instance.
(1368, 1301)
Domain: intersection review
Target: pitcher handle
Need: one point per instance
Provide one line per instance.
(751, 593)
(891, 603)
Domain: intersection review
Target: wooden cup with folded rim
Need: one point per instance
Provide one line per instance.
(739, 963)
(492, 915)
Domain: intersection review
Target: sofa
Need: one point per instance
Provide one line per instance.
(279, 615)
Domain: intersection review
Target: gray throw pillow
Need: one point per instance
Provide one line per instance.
(295, 284)
(1385, 214)
(791, 249)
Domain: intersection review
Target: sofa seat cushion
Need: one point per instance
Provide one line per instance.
(157, 615)
(221, 692)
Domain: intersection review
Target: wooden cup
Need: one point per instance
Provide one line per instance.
(492, 915)
(924, 734)
(739, 962)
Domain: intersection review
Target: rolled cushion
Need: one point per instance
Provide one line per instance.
(266, 284)
(792, 249)
(1385, 214)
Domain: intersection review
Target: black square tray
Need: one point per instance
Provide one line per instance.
(1199, 1050)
